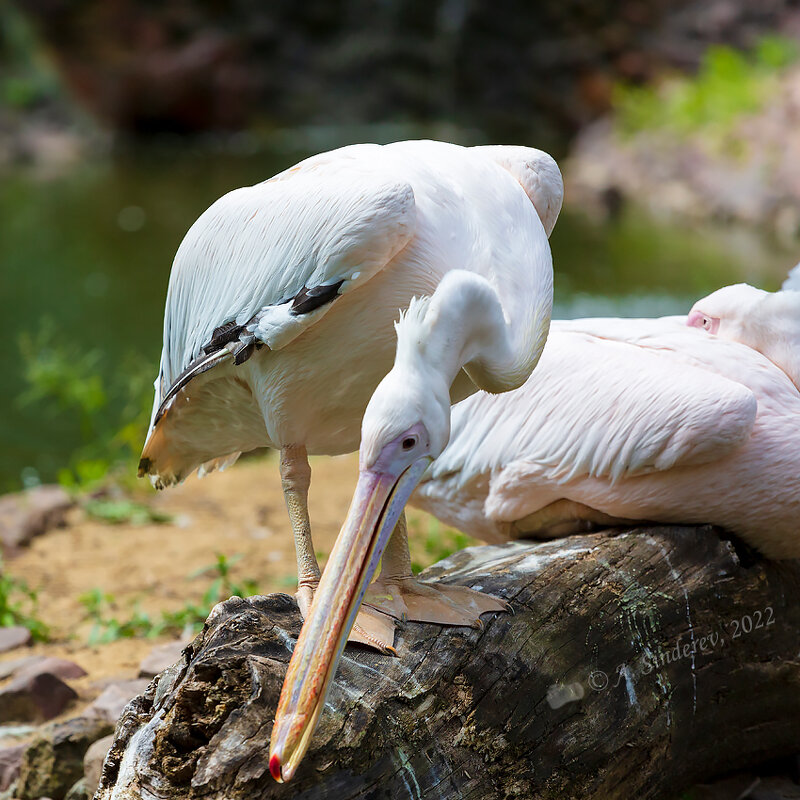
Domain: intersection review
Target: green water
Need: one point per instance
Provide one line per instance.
(86, 256)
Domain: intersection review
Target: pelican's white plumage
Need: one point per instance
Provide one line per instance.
(326, 220)
(628, 420)
(388, 222)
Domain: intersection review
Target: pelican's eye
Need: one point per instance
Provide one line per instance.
(409, 443)
(697, 319)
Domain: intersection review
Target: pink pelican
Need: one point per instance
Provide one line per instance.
(676, 420)
(280, 323)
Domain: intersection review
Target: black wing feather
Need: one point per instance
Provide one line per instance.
(307, 299)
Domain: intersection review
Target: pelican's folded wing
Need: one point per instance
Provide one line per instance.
(595, 407)
(272, 256)
(265, 262)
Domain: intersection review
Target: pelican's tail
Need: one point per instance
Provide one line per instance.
(156, 463)
(169, 466)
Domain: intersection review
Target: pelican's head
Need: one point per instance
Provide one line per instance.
(765, 321)
(408, 418)
(729, 312)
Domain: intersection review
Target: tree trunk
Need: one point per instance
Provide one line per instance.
(635, 665)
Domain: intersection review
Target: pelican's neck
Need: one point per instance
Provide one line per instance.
(495, 333)
(772, 326)
(782, 339)
(782, 352)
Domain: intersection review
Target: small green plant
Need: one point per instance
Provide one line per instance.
(117, 512)
(18, 606)
(108, 627)
(439, 542)
(728, 85)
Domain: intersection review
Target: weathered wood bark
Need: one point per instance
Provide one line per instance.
(635, 665)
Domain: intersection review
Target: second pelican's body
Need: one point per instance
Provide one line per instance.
(631, 420)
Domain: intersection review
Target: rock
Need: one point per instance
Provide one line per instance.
(39, 696)
(10, 760)
(53, 762)
(755, 180)
(13, 637)
(161, 657)
(9, 668)
(93, 762)
(114, 698)
(60, 667)
(31, 513)
(37, 691)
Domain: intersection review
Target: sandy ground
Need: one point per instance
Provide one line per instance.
(239, 512)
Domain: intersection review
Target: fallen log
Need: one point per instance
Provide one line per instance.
(635, 664)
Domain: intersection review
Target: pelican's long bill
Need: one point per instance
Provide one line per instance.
(374, 510)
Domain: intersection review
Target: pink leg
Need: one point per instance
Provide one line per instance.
(372, 628)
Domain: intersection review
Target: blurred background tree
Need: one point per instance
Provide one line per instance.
(508, 68)
(121, 122)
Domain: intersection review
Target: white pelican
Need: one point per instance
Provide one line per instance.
(631, 420)
(279, 327)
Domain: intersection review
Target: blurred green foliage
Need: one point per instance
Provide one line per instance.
(26, 79)
(434, 540)
(18, 604)
(728, 85)
(106, 408)
(108, 626)
(65, 254)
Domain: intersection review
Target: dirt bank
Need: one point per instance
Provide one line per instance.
(154, 566)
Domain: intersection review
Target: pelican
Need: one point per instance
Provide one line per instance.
(280, 325)
(676, 420)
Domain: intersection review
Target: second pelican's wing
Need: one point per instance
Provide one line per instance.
(594, 407)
